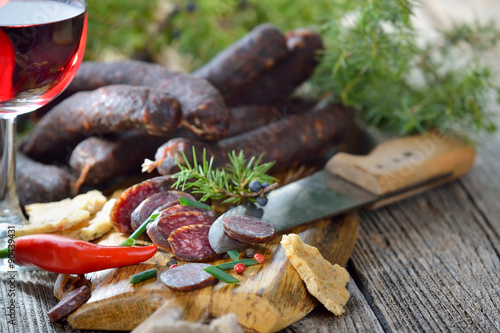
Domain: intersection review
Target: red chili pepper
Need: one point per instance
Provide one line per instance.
(64, 255)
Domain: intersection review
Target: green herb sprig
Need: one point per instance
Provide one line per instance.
(229, 183)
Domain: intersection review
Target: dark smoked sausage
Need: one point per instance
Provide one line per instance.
(286, 141)
(248, 229)
(304, 47)
(105, 110)
(190, 243)
(203, 109)
(96, 160)
(39, 182)
(245, 118)
(132, 197)
(188, 277)
(237, 66)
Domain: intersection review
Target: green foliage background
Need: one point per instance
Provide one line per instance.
(137, 29)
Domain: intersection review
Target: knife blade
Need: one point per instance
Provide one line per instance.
(364, 181)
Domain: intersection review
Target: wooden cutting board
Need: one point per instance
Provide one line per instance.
(269, 298)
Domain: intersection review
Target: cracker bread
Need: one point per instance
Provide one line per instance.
(61, 215)
(93, 228)
(323, 280)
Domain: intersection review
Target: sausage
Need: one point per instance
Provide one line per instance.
(232, 70)
(203, 109)
(69, 303)
(132, 197)
(165, 224)
(190, 243)
(304, 46)
(154, 202)
(188, 277)
(39, 182)
(248, 229)
(286, 141)
(105, 110)
(245, 118)
(96, 160)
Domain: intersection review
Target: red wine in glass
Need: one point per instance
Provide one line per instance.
(41, 47)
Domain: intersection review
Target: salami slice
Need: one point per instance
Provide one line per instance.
(157, 237)
(178, 208)
(132, 197)
(190, 243)
(69, 303)
(188, 277)
(248, 229)
(165, 224)
(149, 205)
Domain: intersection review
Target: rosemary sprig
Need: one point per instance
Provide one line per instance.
(229, 183)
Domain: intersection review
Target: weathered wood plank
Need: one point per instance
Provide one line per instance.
(358, 317)
(428, 266)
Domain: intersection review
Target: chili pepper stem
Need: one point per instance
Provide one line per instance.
(4, 253)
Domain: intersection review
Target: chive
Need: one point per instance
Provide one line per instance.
(132, 238)
(220, 274)
(188, 202)
(234, 254)
(139, 277)
(230, 265)
(128, 242)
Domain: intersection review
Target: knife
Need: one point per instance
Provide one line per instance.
(394, 170)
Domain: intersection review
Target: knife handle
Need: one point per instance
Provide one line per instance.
(399, 163)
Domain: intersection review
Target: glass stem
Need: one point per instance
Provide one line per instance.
(9, 201)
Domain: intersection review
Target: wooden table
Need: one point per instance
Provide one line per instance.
(430, 263)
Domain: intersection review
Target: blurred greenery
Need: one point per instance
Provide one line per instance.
(371, 60)
(197, 29)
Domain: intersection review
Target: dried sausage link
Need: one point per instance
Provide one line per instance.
(246, 118)
(105, 110)
(232, 70)
(304, 47)
(39, 182)
(97, 160)
(286, 141)
(203, 109)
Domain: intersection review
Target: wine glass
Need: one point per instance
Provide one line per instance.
(41, 47)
